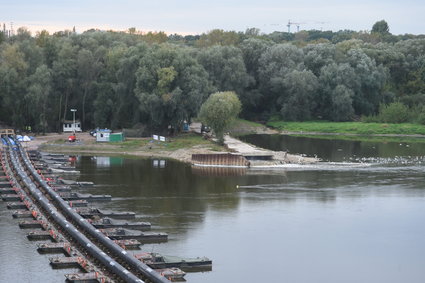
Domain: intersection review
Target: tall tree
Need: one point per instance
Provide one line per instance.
(170, 86)
(40, 86)
(64, 78)
(219, 110)
(299, 99)
(13, 71)
(226, 68)
(218, 37)
(252, 50)
(381, 27)
(278, 61)
(89, 67)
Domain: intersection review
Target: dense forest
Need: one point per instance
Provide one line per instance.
(133, 79)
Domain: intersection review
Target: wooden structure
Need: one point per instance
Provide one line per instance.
(6, 132)
(220, 160)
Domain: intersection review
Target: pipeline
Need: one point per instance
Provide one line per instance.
(97, 253)
(117, 250)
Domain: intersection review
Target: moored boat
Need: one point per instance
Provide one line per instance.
(146, 237)
(107, 222)
(157, 261)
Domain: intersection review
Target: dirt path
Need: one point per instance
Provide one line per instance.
(278, 157)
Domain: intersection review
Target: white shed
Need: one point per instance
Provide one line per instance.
(70, 126)
(102, 135)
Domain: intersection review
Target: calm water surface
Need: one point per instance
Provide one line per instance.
(356, 218)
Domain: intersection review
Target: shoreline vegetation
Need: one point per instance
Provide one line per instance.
(147, 82)
(182, 146)
(349, 128)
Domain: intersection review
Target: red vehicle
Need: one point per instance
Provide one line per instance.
(72, 138)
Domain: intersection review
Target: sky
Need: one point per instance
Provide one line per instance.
(199, 16)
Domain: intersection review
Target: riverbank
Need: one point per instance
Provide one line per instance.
(349, 128)
(180, 148)
(183, 146)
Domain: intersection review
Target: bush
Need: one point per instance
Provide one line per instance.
(420, 117)
(370, 119)
(394, 113)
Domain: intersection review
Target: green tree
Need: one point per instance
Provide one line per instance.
(170, 87)
(342, 103)
(64, 72)
(317, 56)
(40, 86)
(252, 50)
(89, 67)
(381, 27)
(275, 64)
(336, 81)
(371, 78)
(298, 99)
(108, 96)
(225, 67)
(218, 37)
(13, 71)
(219, 110)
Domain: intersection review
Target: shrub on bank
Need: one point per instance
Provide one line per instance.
(394, 113)
(397, 113)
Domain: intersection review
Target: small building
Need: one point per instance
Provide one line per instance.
(70, 126)
(103, 135)
(116, 137)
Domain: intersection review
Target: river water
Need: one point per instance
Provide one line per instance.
(357, 217)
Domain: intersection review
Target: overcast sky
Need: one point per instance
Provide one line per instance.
(198, 16)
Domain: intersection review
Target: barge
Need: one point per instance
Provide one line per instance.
(107, 222)
(173, 274)
(88, 197)
(158, 261)
(145, 237)
(90, 277)
(16, 205)
(91, 212)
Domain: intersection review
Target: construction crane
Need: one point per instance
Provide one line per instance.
(292, 23)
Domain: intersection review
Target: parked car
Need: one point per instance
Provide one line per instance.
(94, 132)
(205, 129)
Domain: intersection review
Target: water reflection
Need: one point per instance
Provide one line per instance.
(171, 193)
(218, 171)
(336, 149)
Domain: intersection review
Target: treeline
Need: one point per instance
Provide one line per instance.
(130, 79)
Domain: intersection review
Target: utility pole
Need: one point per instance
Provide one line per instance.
(73, 112)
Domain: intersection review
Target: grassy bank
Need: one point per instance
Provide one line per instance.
(132, 145)
(241, 127)
(369, 138)
(357, 128)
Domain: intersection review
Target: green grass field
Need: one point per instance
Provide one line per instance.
(357, 128)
